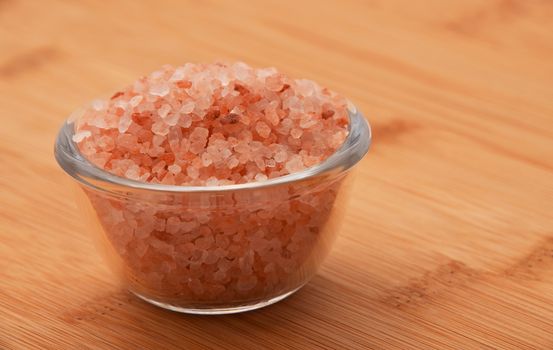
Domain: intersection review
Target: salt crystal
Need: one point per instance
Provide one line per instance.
(164, 111)
(244, 119)
(196, 286)
(135, 100)
(242, 147)
(81, 135)
(158, 167)
(206, 159)
(133, 172)
(162, 247)
(144, 177)
(306, 123)
(260, 163)
(172, 119)
(178, 75)
(292, 102)
(197, 147)
(193, 172)
(175, 169)
(296, 133)
(246, 283)
(263, 129)
(172, 225)
(260, 177)
(233, 162)
(266, 72)
(159, 90)
(199, 134)
(160, 128)
(157, 140)
(185, 121)
(220, 275)
(274, 83)
(305, 87)
(295, 164)
(280, 157)
(272, 117)
(100, 159)
(98, 122)
(208, 257)
(141, 249)
(225, 153)
(187, 107)
(241, 70)
(212, 181)
(124, 123)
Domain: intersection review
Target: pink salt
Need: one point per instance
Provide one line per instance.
(79, 136)
(184, 108)
(174, 169)
(211, 125)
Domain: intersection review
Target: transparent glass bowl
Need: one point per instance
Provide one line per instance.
(216, 249)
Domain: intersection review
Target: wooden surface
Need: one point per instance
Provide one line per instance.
(449, 240)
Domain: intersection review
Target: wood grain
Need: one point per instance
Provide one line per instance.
(449, 240)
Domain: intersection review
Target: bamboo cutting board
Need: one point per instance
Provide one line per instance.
(448, 242)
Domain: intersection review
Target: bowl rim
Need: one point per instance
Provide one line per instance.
(70, 159)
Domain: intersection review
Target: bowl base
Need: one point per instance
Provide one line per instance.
(217, 311)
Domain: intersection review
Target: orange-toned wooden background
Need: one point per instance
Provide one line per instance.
(449, 240)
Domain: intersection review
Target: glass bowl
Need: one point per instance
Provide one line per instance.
(216, 249)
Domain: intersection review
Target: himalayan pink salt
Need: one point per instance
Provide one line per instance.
(212, 181)
(192, 172)
(185, 107)
(260, 177)
(295, 164)
(160, 89)
(263, 129)
(79, 136)
(164, 111)
(174, 169)
(296, 133)
(215, 125)
(135, 100)
(133, 172)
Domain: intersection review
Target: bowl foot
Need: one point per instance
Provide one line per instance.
(215, 310)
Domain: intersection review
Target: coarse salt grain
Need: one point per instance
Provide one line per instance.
(164, 111)
(79, 136)
(135, 100)
(187, 107)
(260, 177)
(124, 123)
(263, 129)
(160, 90)
(295, 164)
(175, 169)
